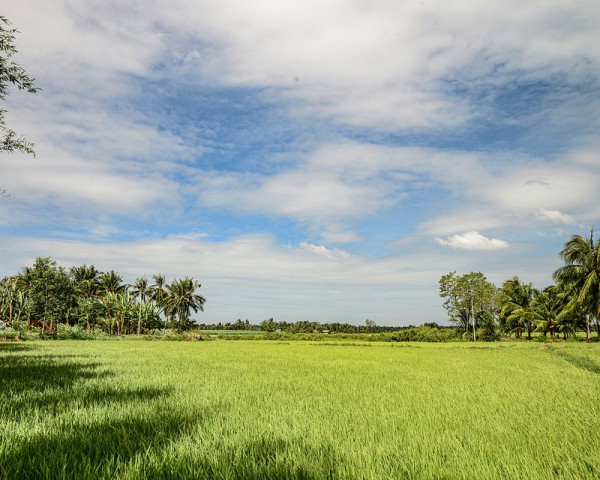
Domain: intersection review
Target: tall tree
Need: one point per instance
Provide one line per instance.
(158, 291)
(547, 307)
(9, 298)
(141, 292)
(87, 284)
(183, 299)
(582, 272)
(470, 293)
(111, 282)
(516, 313)
(11, 74)
(50, 291)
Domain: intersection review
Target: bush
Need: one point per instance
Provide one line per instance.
(77, 332)
(8, 333)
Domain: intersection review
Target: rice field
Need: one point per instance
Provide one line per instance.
(253, 409)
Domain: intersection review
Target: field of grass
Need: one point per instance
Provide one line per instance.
(138, 409)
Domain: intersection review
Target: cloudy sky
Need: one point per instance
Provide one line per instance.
(305, 160)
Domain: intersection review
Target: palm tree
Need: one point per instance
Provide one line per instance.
(140, 291)
(158, 291)
(547, 308)
(182, 299)
(111, 282)
(516, 310)
(87, 285)
(582, 272)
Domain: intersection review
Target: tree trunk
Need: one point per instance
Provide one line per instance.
(473, 318)
(598, 326)
(587, 328)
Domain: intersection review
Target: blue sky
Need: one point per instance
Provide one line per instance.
(305, 160)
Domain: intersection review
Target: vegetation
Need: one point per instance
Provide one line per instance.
(467, 297)
(132, 409)
(46, 296)
(517, 308)
(11, 74)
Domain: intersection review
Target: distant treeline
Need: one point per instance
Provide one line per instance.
(304, 326)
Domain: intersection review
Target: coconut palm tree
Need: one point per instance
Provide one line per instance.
(141, 292)
(87, 285)
(182, 299)
(547, 308)
(582, 272)
(158, 291)
(516, 312)
(111, 282)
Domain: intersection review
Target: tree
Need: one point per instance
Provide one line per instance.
(147, 315)
(87, 284)
(582, 272)
(182, 299)
(11, 73)
(158, 291)
(468, 294)
(516, 314)
(547, 307)
(140, 291)
(50, 291)
(9, 299)
(111, 282)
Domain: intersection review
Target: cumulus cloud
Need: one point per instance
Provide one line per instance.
(253, 276)
(472, 241)
(400, 79)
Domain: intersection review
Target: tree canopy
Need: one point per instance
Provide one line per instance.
(12, 74)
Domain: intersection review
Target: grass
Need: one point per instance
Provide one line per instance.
(131, 409)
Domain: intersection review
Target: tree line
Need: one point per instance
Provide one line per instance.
(572, 304)
(270, 325)
(47, 294)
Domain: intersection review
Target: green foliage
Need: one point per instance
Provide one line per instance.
(182, 299)
(517, 314)
(11, 74)
(49, 290)
(417, 334)
(581, 276)
(468, 295)
(46, 295)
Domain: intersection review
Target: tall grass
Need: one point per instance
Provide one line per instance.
(127, 409)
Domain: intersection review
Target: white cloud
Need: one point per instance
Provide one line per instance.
(386, 65)
(472, 241)
(555, 216)
(321, 250)
(368, 67)
(189, 236)
(254, 277)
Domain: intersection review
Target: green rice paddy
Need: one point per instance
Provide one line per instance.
(252, 409)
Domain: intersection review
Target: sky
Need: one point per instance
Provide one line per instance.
(305, 160)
